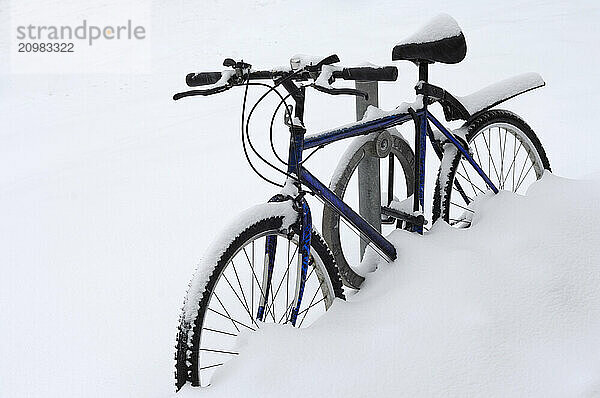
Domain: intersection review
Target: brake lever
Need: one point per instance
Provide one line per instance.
(341, 91)
(192, 93)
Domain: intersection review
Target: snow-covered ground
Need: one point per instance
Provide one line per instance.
(110, 193)
(507, 308)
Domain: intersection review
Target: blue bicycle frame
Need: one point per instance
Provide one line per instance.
(298, 144)
(319, 189)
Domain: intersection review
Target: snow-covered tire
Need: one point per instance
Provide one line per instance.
(356, 151)
(200, 292)
(453, 161)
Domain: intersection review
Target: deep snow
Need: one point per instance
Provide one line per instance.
(509, 307)
(110, 192)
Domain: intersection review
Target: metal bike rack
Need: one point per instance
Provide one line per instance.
(369, 197)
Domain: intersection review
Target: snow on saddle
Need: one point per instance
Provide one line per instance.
(440, 40)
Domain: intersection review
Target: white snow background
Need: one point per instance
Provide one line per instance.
(110, 192)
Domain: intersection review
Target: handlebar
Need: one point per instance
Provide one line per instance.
(386, 73)
(225, 80)
(368, 73)
(206, 78)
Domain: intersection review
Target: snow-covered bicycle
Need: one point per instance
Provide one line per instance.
(272, 265)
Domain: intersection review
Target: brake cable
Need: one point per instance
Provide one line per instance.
(247, 134)
(271, 89)
(244, 142)
(271, 131)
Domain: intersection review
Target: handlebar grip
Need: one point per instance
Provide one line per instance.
(387, 73)
(202, 79)
(261, 75)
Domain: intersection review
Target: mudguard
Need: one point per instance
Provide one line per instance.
(465, 108)
(501, 91)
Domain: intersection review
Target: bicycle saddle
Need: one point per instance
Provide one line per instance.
(440, 40)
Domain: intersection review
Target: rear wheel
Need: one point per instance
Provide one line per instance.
(505, 148)
(230, 300)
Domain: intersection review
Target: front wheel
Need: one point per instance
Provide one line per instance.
(505, 148)
(228, 293)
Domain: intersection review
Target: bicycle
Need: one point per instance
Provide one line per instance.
(253, 290)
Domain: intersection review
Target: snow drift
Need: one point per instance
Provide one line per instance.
(110, 192)
(509, 307)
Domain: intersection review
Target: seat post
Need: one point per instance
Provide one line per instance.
(423, 71)
(420, 145)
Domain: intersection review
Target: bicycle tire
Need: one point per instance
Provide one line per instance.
(190, 332)
(446, 185)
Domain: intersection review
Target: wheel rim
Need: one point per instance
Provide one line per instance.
(233, 302)
(508, 157)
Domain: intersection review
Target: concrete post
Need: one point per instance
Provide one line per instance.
(369, 190)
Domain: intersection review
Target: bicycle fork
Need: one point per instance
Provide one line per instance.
(304, 242)
(270, 250)
(303, 259)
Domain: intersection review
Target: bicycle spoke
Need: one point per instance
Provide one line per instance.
(502, 156)
(478, 158)
(462, 207)
(489, 150)
(522, 169)
(307, 309)
(477, 153)
(311, 262)
(290, 305)
(219, 351)
(523, 180)
(219, 331)
(210, 366)
(473, 186)
(227, 312)
(284, 276)
(242, 291)
(262, 293)
(311, 302)
(490, 158)
(232, 320)
(286, 313)
(516, 151)
(513, 162)
(239, 299)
